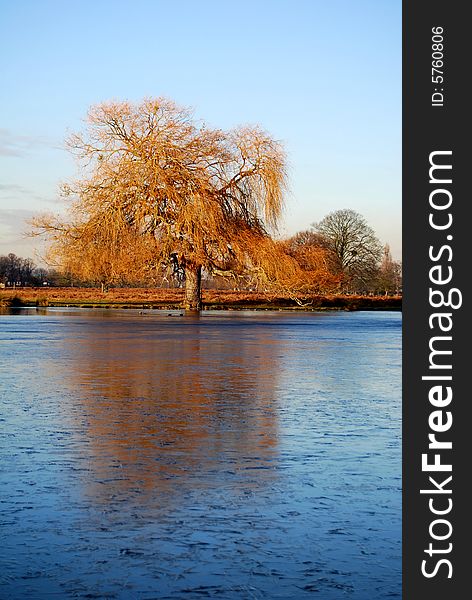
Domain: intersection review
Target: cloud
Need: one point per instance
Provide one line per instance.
(14, 228)
(12, 192)
(15, 219)
(12, 188)
(13, 144)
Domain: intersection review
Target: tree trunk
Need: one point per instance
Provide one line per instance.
(193, 288)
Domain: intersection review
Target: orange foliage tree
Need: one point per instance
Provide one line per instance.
(159, 189)
(317, 264)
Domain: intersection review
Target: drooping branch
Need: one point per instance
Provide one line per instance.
(155, 183)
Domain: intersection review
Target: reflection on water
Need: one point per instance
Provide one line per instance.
(168, 402)
(232, 455)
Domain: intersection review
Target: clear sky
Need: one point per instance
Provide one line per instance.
(323, 76)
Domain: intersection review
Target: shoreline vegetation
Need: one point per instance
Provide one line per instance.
(172, 299)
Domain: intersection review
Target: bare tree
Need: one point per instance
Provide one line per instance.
(355, 245)
(15, 270)
(390, 273)
(161, 190)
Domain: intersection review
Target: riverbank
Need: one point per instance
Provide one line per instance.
(171, 299)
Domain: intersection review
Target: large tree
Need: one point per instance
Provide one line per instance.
(354, 244)
(158, 188)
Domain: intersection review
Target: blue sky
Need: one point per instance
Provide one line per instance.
(322, 76)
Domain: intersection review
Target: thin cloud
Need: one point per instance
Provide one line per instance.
(9, 188)
(14, 230)
(16, 220)
(13, 144)
(14, 227)
(11, 192)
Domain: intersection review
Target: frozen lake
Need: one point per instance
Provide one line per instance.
(231, 455)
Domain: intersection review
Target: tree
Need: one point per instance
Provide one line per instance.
(318, 263)
(15, 270)
(390, 273)
(353, 243)
(160, 190)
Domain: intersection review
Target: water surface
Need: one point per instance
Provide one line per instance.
(232, 455)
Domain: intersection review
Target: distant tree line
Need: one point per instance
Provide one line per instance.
(22, 272)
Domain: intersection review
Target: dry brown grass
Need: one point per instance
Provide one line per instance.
(167, 298)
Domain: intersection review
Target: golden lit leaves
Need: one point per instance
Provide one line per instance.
(155, 182)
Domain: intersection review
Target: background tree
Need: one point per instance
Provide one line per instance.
(318, 264)
(390, 274)
(160, 190)
(15, 270)
(354, 244)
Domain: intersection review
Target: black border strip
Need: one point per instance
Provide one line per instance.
(430, 127)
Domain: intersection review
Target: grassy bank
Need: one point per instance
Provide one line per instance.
(172, 298)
